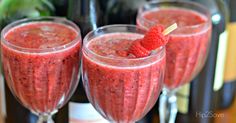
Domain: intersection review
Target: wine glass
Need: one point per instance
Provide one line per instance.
(120, 87)
(41, 60)
(186, 50)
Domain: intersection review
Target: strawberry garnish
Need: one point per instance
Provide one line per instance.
(138, 50)
(153, 39)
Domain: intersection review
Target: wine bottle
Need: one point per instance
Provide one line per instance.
(196, 101)
(227, 92)
(89, 18)
(87, 15)
(10, 11)
(61, 7)
(122, 11)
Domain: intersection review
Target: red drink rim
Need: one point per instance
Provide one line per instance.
(92, 34)
(175, 4)
(22, 22)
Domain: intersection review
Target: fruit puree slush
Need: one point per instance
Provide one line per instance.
(122, 88)
(41, 80)
(187, 46)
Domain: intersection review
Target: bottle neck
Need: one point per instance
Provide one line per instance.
(85, 13)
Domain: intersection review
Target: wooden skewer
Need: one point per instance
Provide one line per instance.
(170, 29)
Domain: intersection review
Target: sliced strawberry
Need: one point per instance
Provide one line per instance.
(154, 38)
(138, 50)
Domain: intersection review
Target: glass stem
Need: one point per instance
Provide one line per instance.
(45, 118)
(168, 106)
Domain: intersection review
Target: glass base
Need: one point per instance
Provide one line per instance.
(45, 119)
(168, 106)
